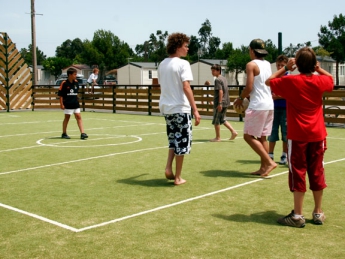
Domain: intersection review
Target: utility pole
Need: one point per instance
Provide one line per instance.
(33, 43)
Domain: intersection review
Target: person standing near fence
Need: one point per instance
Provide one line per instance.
(92, 80)
(175, 103)
(259, 115)
(69, 102)
(307, 131)
(221, 101)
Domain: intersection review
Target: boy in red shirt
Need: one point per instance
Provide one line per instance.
(307, 131)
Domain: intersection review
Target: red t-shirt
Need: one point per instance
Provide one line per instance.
(303, 96)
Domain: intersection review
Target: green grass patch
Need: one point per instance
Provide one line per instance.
(116, 178)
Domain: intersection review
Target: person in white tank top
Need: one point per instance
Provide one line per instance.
(259, 115)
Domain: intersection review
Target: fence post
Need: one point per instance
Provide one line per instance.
(114, 98)
(240, 89)
(149, 99)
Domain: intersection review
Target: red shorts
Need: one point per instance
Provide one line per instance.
(306, 157)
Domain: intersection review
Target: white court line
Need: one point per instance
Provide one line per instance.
(39, 217)
(79, 160)
(146, 211)
(51, 132)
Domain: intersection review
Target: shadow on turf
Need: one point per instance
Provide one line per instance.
(148, 182)
(266, 217)
(228, 173)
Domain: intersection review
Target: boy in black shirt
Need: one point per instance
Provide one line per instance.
(69, 102)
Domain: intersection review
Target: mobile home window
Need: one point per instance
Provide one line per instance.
(150, 74)
(342, 70)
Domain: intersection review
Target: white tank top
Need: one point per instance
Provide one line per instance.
(261, 97)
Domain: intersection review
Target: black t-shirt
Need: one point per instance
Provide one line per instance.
(69, 92)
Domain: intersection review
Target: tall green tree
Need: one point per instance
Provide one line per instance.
(194, 52)
(26, 53)
(55, 64)
(225, 51)
(208, 43)
(238, 60)
(154, 49)
(272, 51)
(292, 49)
(71, 50)
(106, 51)
(332, 39)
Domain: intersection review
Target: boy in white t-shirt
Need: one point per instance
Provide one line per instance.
(176, 102)
(92, 80)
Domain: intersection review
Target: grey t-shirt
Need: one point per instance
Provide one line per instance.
(221, 84)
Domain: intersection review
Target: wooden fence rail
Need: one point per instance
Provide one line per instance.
(145, 99)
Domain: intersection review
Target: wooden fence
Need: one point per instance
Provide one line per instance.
(145, 99)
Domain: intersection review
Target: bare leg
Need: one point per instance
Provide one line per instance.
(317, 201)
(285, 148)
(271, 146)
(179, 163)
(298, 202)
(168, 168)
(65, 123)
(79, 122)
(232, 130)
(260, 146)
(217, 129)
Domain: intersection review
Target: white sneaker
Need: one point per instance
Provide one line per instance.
(319, 218)
(283, 160)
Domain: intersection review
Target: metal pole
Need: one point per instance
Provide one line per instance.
(280, 43)
(33, 45)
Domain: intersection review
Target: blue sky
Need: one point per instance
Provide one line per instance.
(134, 20)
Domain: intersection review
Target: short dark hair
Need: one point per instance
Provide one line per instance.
(216, 67)
(175, 41)
(306, 60)
(282, 58)
(71, 71)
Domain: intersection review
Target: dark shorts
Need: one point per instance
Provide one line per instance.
(219, 117)
(279, 120)
(179, 132)
(306, 157)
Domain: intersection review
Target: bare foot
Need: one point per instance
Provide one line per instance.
(215, 140)
(258, 172)
(268, 169)
(233, 135)
(169, 175)
(179, 181)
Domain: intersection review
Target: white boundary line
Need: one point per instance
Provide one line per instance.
(146, 211)
(39, 217)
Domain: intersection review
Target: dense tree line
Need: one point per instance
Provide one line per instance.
(107, 51)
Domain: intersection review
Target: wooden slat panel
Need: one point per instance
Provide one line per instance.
(2, 64)
(13, 54)
(13, 70)
(334, 102)
(334, 120)
(3, 104)
(2, 80)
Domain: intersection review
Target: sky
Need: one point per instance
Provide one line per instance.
(133, 21)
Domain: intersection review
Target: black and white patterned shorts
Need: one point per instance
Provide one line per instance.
(179, 132)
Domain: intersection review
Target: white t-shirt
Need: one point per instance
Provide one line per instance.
(91, 77)
(172, 72)
(261, 97)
